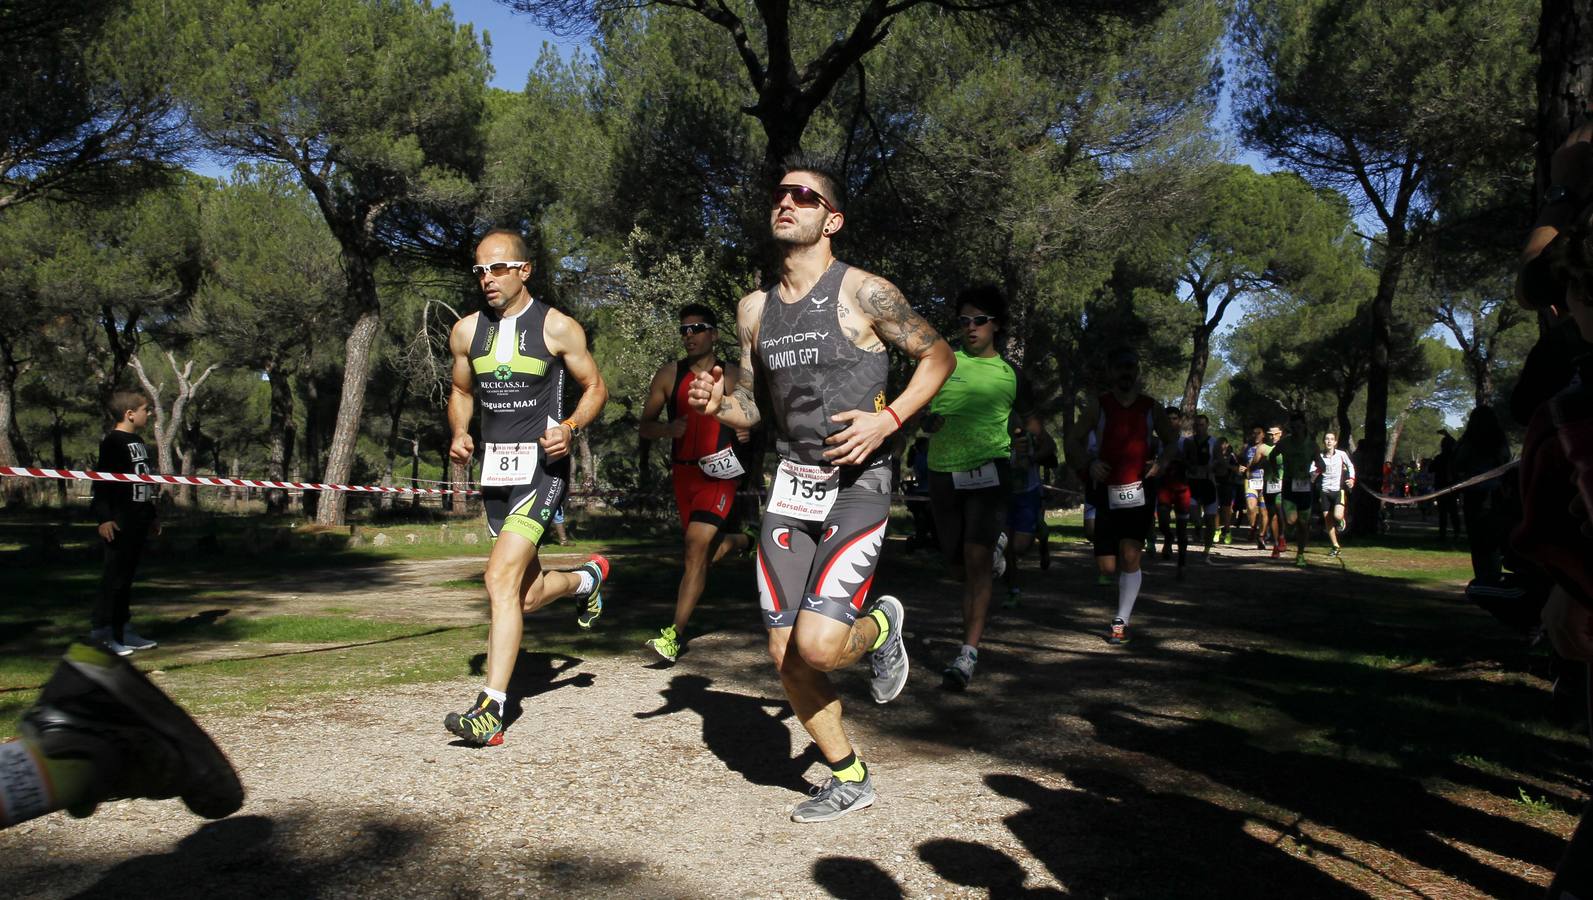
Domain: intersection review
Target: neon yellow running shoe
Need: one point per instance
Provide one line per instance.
(666, 644)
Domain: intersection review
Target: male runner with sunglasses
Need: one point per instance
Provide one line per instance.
(706, 465)
(514, 355)
(970, 477)
(817, 342)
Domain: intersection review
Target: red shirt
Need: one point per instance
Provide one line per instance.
(1123, 436)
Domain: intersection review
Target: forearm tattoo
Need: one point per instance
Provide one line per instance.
(894, 319)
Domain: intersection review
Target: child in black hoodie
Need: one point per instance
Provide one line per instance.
(127, 517)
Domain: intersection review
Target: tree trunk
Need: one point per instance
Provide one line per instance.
(458, 480)
(1374, 436)
(390, 456)
(281, 436)
(13, 487)
(414, 468)
(588, 474)
(1394, 436)
(1342, 412)
(351, 406)
(1565, 77)
(310, 500)
(185, 493)
(1199, 358)
(57, 432)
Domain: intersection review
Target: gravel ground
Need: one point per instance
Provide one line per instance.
(1070, 769)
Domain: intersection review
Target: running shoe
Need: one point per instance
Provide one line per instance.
(1210, 558)
(1014, 597)
(890, 660)
(666, 644)
(482, 726)
(1299, 560)
(958, 673)
(98, 708)
(1119, 633)
(103, 636)
(835, 799)
(1277, 552)
(136, 641)
(998, 565)
(591, 603)
(1227, 537)
(1334, 553)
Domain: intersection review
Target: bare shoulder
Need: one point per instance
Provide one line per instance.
(462, 333)
(874, 294)
(749, 309)
(562, 333)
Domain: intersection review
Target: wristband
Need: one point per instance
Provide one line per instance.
(895, 417)
(570, 424)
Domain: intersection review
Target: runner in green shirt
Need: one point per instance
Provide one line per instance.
(969, 452)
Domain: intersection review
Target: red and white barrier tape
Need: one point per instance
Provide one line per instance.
(209, 481)
(1475, 479)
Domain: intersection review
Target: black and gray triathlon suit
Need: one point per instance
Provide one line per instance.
(813, 372)
(520, 387)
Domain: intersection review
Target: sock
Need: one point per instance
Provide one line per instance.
(1127, 593)
(587, 581)
(32, 784)
(849, 769)
(970, 651)
(499, 696)
(878, 616)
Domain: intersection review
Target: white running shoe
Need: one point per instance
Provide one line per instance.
(998, 566)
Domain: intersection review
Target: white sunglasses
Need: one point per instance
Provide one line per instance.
(497, 268)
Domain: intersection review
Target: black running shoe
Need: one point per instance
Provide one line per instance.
(482, 726)
(98, 707)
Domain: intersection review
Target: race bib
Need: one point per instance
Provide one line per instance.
(1256, 479)
(722, 465)
(1275, 485)
(504, 465)
(983, 477)
(1125, 496)
(804, 492)
(1300, 485)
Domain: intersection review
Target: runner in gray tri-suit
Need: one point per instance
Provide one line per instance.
(818, 339)
(513, 357)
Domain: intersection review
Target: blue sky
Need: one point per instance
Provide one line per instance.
(516, 39)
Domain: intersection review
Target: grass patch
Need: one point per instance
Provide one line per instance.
(1541, 806)
(461, 583)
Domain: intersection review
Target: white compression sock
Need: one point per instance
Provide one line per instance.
(1127, 593)
(587, 582)
(499, 696)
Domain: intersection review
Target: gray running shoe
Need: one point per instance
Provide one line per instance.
(835, 799)
(97, 707)
(103, 636)
(959, 673)
(890, 660)
(136, 641)
(998, 564)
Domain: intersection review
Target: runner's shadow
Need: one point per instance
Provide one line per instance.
(849, 878)
(748, 734)
(1095, 837)
(977, 866)
(241, 857)
(534, 675)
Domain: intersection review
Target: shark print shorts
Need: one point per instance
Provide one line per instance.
(825, 567)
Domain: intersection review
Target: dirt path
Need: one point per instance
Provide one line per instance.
(1071, 768)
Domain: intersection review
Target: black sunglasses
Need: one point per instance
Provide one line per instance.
(801, 195)
(694, 328)
(965, 321)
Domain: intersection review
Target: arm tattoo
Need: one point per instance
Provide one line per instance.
(743, 396)
(894, 318)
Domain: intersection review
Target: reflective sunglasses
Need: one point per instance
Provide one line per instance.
(801, 195)
(497, 268)
(965, 321)
(694, 328)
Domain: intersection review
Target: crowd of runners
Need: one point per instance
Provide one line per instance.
(815, 347)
